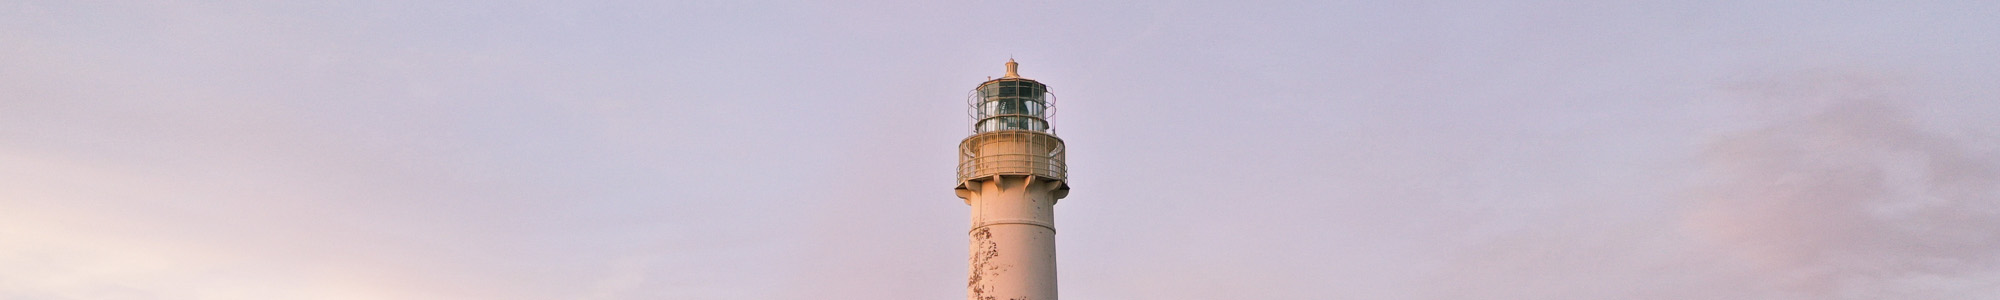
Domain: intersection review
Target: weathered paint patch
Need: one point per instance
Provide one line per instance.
(982, 257)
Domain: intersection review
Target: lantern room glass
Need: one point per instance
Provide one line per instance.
(1011, 104)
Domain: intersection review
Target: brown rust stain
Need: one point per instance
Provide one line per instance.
(982, 258)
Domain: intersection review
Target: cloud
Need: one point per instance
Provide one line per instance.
(1837, 193)
(1854, 200)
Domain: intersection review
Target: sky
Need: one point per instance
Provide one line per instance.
(805, 150)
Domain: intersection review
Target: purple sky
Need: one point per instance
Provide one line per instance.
(1230, 150)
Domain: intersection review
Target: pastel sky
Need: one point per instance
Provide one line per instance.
(804, 150)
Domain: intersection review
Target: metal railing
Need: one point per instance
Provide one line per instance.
(1012, 152)
(1012, 164)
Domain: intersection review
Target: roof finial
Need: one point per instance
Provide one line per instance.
(1012, 69)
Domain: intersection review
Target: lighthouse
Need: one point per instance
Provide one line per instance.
(1011, 172)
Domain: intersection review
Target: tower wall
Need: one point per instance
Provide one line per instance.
(1013, 247)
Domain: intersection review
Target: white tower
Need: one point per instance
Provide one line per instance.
(1011, 172)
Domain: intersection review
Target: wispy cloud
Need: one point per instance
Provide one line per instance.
(1836, 193)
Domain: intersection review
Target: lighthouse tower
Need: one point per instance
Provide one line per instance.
(1011, 172)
